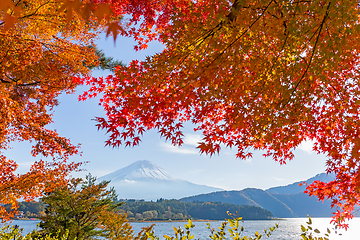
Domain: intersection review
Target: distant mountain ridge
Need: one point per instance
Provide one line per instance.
(285, 201)
(144, 180)
(295, 188)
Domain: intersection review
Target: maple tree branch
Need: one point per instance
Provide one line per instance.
(236, 39)
(308, 41)
(205, 35)
(271, 68)
(13, 80)
(16, 4)
(5, 81)
(235, 7)
(198, 42)
(197, 46)
(311, 57)
(28, 84)
(31, 14)
(232, 43)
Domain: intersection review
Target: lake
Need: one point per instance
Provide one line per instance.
(289, 228)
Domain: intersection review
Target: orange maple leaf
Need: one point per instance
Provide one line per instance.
(114, 28)
(9, 21)
(6, 4)
(69, 6)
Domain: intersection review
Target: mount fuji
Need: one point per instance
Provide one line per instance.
(145, 180)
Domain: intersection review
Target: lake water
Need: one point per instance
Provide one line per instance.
(289, 229)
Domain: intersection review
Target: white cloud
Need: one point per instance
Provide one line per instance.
(190, 142)
(129, 181)
(192, 139)
(182, 150)
(306, 146)
(278, 179)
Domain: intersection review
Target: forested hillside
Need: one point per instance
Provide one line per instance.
(178, 210)
(170, 209)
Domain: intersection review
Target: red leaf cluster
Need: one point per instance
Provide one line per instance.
(254, 75)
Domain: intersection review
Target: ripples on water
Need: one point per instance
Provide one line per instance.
(289, 229)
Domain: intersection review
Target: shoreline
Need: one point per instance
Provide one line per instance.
(201, 220)
(169, 220)
(175, 220)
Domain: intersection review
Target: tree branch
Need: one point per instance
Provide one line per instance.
(311, 57)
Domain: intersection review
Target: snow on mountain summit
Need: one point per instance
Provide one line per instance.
(145, 180)
(139, 170)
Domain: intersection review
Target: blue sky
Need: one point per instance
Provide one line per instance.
(73, 119)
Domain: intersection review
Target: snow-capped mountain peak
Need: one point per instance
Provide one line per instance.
(145, 180)
(139, 171)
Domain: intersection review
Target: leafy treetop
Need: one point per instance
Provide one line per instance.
(78, 209)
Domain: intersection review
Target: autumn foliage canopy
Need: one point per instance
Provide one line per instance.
(41, 51)
(249, 74)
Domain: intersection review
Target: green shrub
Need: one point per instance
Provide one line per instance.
(8, 232)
